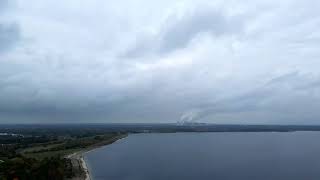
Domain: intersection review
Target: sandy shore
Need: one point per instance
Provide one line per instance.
(79, 164)
(85, 168)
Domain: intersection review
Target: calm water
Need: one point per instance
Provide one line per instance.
(209, 156)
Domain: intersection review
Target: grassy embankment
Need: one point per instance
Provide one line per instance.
(46, 160)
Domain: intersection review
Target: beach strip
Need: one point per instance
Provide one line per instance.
(78, 162)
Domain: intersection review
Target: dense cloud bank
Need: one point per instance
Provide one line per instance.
(108, 61)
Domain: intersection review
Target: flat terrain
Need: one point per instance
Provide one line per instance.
(42, 151)
(49, 153)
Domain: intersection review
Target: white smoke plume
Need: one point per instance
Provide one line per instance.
(190, 116)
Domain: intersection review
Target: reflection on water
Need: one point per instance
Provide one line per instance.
(209, 156)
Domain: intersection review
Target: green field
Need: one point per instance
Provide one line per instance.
(45, 158)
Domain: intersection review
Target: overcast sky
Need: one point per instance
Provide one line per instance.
(217, 61)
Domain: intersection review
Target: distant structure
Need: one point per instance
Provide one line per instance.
(189, 123)
(11, 134)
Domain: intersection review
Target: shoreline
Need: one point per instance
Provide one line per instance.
(79, 163)
(85, 168)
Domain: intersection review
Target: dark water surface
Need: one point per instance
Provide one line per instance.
(209, 156)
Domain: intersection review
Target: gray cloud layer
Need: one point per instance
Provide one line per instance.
(3, 4)
(177, 33)
(9, 35)
(9, 31)
(212, 61)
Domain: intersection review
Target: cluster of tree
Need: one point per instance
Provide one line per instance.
(17, 163)
(54, 168)
(25, 141)
(76, 143)
(8, 151)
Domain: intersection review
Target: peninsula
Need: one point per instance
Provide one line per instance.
(57, 151)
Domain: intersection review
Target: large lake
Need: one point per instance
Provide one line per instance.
(209, 156)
